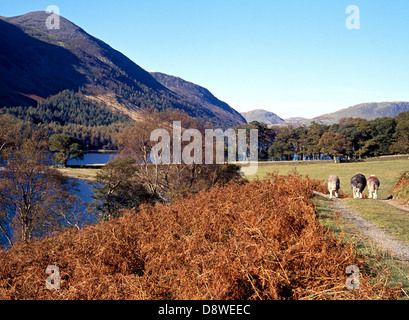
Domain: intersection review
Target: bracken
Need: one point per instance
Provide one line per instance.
(258, 240)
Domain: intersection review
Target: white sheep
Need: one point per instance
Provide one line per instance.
(333, 184)
(373, 186)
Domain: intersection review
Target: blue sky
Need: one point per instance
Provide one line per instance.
(293, 57)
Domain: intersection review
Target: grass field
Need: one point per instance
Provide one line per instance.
(386, 171)
(384, 216)
(80, 173)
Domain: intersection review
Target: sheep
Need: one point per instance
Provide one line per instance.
(358, 184)
(333, 184)
(373, 186)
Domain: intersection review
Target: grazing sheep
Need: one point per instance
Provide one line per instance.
(358, 184)
(373, 186)
(333, 184)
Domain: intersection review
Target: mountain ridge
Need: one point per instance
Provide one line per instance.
(36, 63)
(368, 111)
(196, 93)
(261, 115)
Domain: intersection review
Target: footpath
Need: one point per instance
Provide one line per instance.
(389, 243)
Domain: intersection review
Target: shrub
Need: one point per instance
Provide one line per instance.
(400, 190)
(259, 240)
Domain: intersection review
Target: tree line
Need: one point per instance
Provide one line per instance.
(351, 138)
(93, 123)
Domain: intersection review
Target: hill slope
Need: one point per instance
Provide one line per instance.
(369, 111)
(264, 116)
(199, 95)
(36, 63)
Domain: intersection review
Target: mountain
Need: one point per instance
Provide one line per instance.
(36, 63)
(198, 95)
(369, 111)
(295, 119)
(269, 118)
(299, 121)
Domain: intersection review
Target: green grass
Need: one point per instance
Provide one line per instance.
(378, 263)
(80, 173)
(386, 171)
(387, 218)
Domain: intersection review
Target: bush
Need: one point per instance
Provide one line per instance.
(400, 190)
(259, 240)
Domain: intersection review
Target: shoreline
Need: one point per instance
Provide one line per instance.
(76, 174)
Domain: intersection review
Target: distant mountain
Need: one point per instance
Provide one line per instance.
(369, 111)
(36, 63)
(295, 121)
(199, 95)
(269, 118)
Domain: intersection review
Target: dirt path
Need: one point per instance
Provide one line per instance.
(390, 244)
(396, 205)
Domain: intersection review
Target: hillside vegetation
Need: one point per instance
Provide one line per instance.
(258, 240)
(368, 111)
(71, 113)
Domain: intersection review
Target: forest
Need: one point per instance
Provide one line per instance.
(351, 138)
(72, 114)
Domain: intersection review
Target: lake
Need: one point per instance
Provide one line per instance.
(94, 158)
(84, 187)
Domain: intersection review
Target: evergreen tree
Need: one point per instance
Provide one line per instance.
(65, 148)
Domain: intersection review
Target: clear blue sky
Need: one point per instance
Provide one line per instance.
(293, 57)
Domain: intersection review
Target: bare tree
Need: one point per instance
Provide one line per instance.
(165, 181)
(116, 188)
(35, 199)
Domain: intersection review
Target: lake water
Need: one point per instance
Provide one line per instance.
(84, 187)
(94, 158)
(84, 190)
